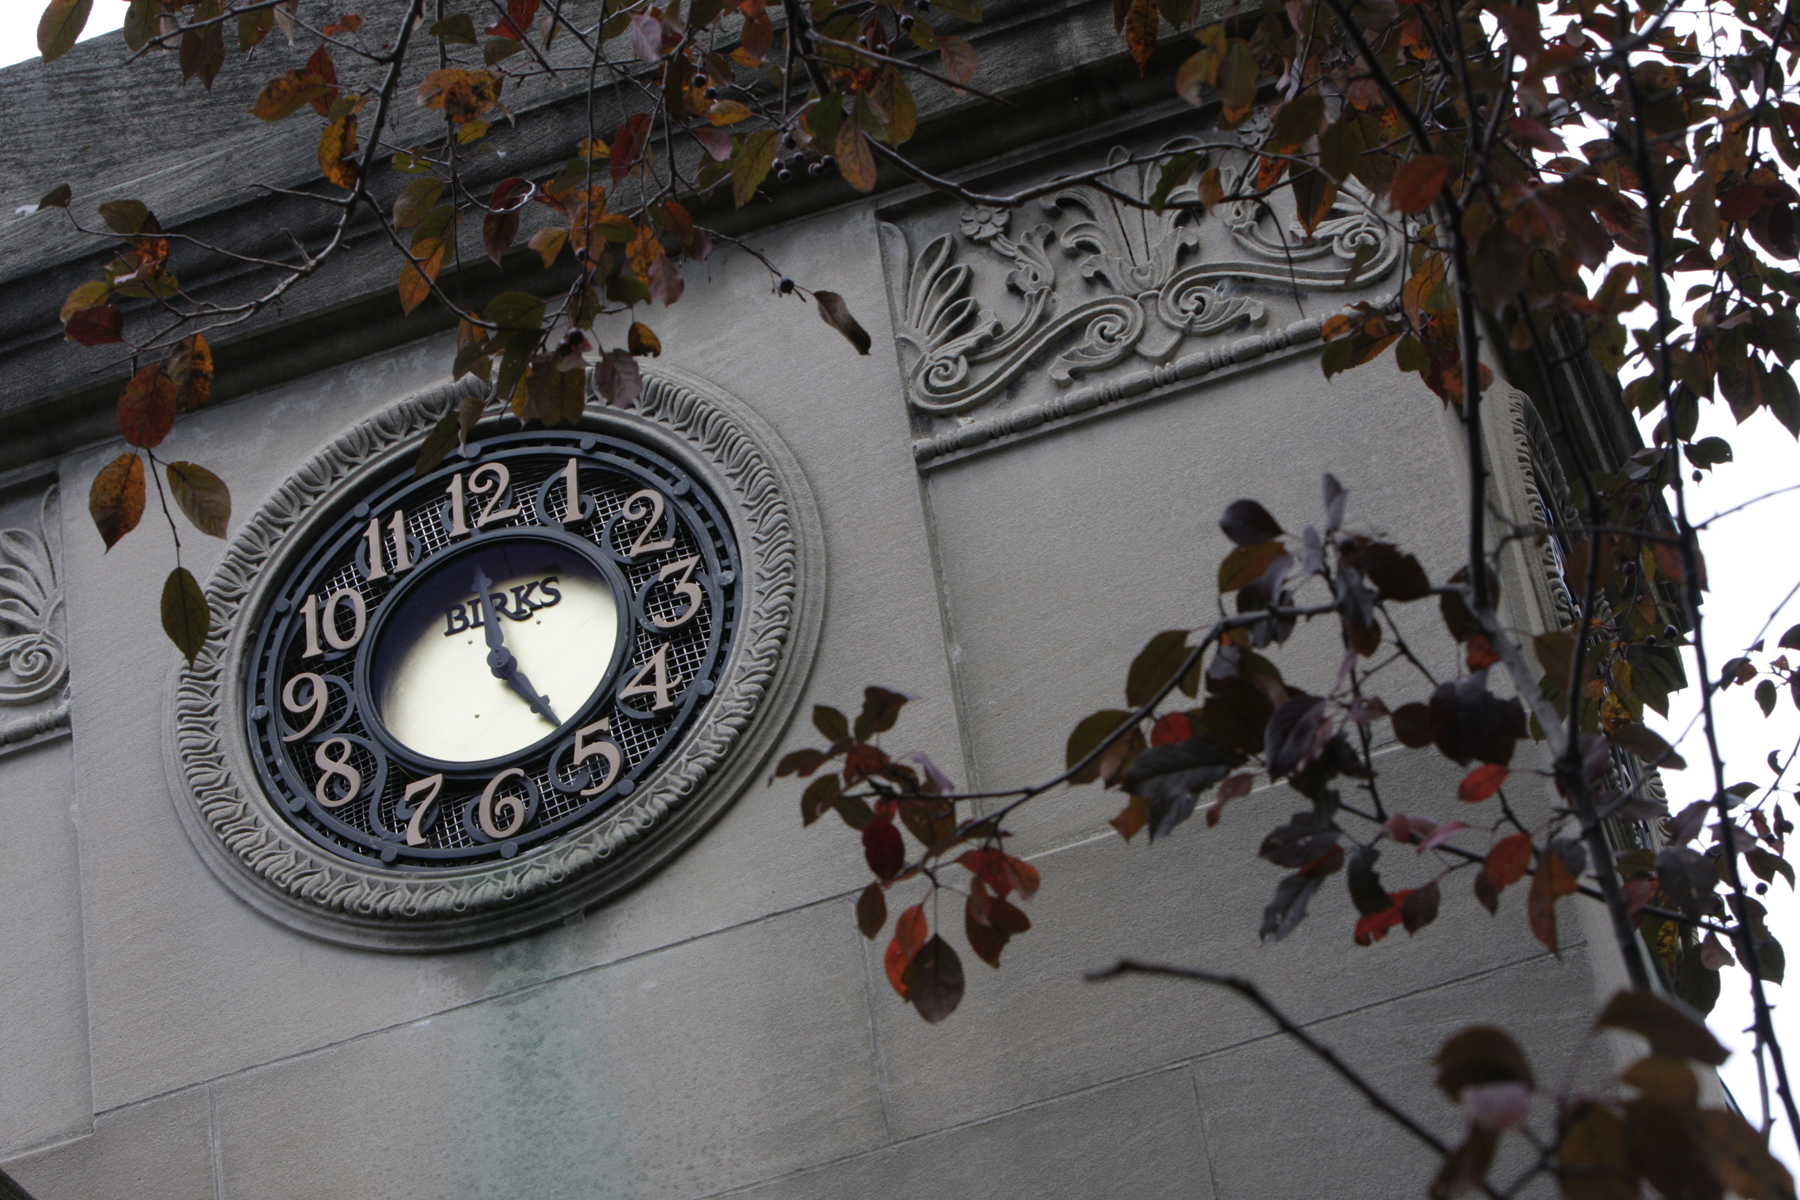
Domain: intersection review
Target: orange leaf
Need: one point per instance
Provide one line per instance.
(1141, 26)
(1374, 927)
(336, 145)
(1417, 183)
(1481, 653)
(1551, 881)
(1481, 783)
(414, 287)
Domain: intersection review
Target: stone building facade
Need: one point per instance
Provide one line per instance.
(991, 513)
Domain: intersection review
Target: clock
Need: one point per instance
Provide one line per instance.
(441, 708)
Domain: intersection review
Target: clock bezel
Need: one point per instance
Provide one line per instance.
(252, 849)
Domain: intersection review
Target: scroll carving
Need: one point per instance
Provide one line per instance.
(34, 661)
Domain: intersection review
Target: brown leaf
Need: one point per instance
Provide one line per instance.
(871, 910)
(1480, 1054)
(958, 57)
(617, 379)
(1594, 1159)
(190, 365)
(1417, 183)
(641, 340)
(856, 161)
(147, 408)
(1133, 817)
(835, 313)
(1648, 745)
(1246, 564)
(116, 499)
(1740, 1158)
(202, 496)
(1668, 1029)
(1552, 881)
(1142, 22)
(934, 980)
(554, 397)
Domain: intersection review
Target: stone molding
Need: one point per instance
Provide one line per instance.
(274, 868)
(34, 661)
(1100, 286)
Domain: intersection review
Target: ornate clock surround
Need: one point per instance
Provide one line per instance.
(255, 850)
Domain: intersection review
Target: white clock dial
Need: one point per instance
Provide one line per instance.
(443, 688)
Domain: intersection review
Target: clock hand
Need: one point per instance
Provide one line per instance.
(500, 660)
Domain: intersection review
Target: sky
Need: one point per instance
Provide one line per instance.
(1749, 576)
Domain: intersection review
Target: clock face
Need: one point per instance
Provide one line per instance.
(485, 659)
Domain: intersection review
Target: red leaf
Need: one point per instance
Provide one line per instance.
(883, 848)
(1169, 728)
(147, 409)
(1507, 860)
(989, 866)
(1374, 927)
(1481, 783)
(909, 936)
(1023, 875)
(1417, 183)
(95, 326)
(1481, 653)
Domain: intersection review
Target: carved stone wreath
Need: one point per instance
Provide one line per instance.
(277, 871)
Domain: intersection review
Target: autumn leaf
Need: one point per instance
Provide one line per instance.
(750, 165)
(116, 499)
(285, 95)
(147, 407)
(1141, 24)
(96, 326)
(415, 285)
(934, 980)
(1508, 859)
(190, 366)
(871, 910)
(60, 26)
(548, 242)
(909, 938)
(84, 296)
(185, 616)
(1481, 783)
(856, 161)
(958, 57)
(641, 340)
(336, 145)
(1417, 183)
(462, 94)
(1552, 881)
(202, 496)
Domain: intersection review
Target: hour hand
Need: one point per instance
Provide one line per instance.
(490, 627)
(540, 705)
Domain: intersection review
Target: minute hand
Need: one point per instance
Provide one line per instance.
(500, 660)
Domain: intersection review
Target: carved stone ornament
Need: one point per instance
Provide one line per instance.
(34, 663)
(1102, 286)
(267, 862)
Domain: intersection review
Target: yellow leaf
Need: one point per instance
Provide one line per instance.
(728, 112)
(336, 145)
(86, 295)
(548, 243)
(190, 366)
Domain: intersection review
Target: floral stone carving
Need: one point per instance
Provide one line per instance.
(1102, 286)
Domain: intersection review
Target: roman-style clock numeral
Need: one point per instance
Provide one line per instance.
(322, 620)
(647, 503)
(658, 684)
(377, 567)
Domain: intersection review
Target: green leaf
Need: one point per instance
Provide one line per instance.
(1175, 172)
(1160, 658)
(516, 310)
(457, 28)
(60, 26)
(437, 444)
(820, 795)
(185, 617)
(143, 21)
(1298, 120)
(125, 217)
(1089, 733)
(750, 165)
(831, 723)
